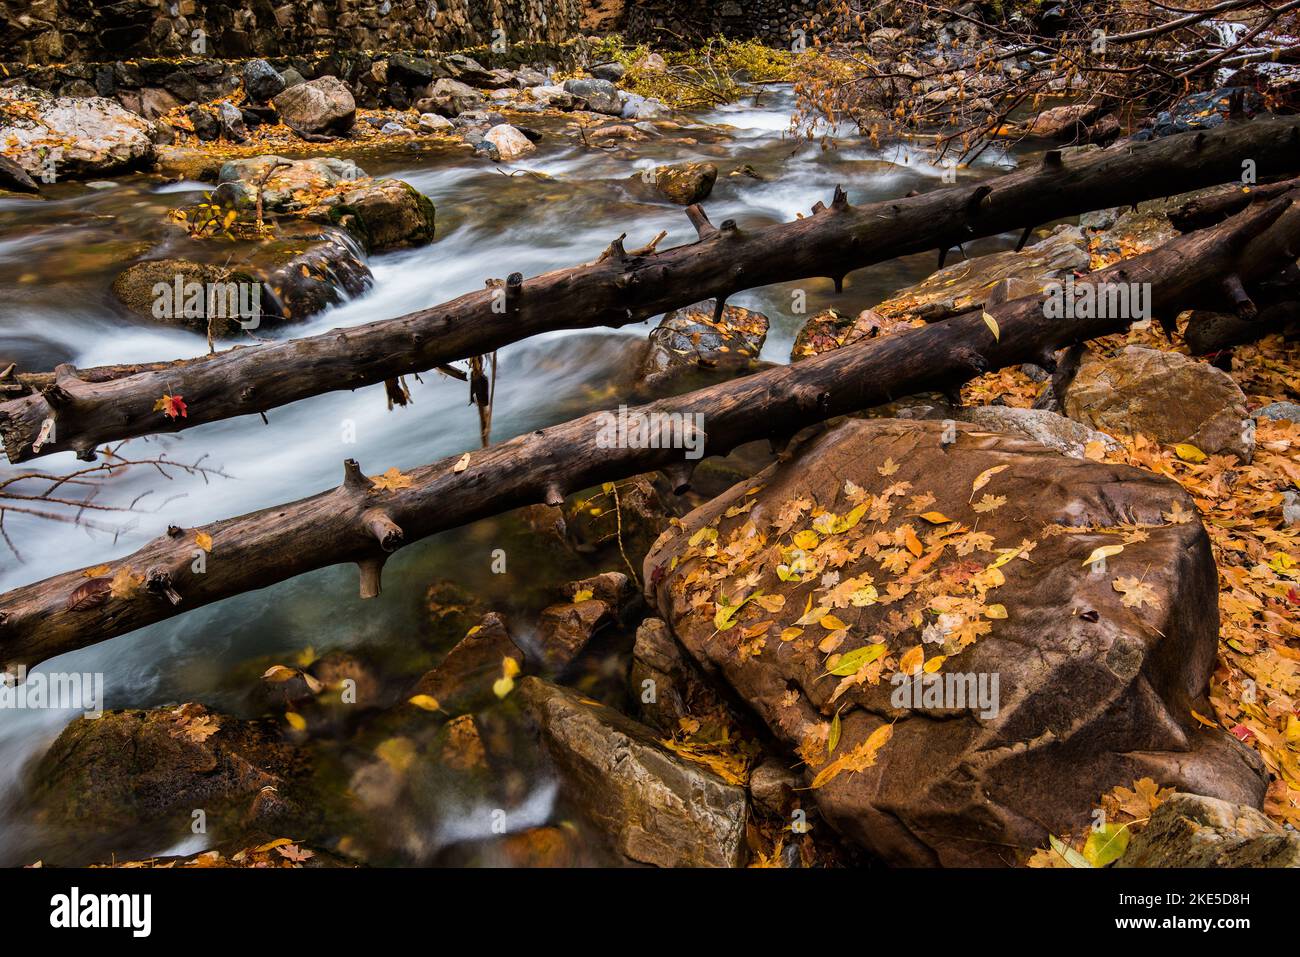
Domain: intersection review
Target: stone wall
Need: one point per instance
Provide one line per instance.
(83, 31)
(679, 23)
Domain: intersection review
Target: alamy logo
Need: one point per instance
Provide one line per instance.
(652, 430)
(952, 690)
(62, 690)
(134, 911)
(1097, 300)
(179, 299)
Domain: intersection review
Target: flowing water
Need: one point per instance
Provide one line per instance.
(58, 257)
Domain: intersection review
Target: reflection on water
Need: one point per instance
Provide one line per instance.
(58, 257)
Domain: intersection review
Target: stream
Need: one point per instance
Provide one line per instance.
(59, 255)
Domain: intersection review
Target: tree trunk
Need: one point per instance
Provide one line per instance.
(359, 522)
(76, 412)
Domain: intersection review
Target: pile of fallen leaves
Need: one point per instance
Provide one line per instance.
(282, 852)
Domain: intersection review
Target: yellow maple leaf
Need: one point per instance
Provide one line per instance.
(1136, 593)
(391, 481)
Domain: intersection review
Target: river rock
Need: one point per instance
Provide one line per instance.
(463, 680)
(1287, 411)
(433, 123)
(690, 337)
(563, 630)
(294, 185)
(14, 178)
(148, 289)
(665, 681)
(654, 807)
(1189, 830)
(599, 96)
(450, 98)
(325, 267)
(552, 97)
(613, 72)
(637, 107)
(828, 330)
(1164, 396)
(262, 82)
(72, 138)
(509, 142)
(1046, 428)
(131, 767)
(409, 70)
(1098, 665)
(384, 214)
(685, 183)
(615, 589)
(323, 105)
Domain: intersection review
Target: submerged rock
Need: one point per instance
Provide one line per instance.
(70, 137)
(464, 679)
(1164, 396)
(1189, 830)
(654, 807)
(686, 183)
(131, 767)
(690, 337)
(1048, 677)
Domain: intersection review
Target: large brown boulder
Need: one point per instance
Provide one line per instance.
(323, 105)
(934, 542)
(1164, 396)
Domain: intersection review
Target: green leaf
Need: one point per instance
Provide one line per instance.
(851, 661)
(1106, 844)
(834, 737)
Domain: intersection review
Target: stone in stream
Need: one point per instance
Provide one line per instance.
(829, 330)
(1189, 830)
(137, 767)
(613, 588)
(292, 184)
(685, 183)
(654, 807)
(14, 178)
(433, 123)
(1164, 396)
(323, 105)
(564, 630)
(552, 97)
(463, 680)
(262, 82)
(690, 337)
(509, 142)
(450, 98)
(665, 681)
(822, 584)
(57, 138)
(148, 289)
(384, 214)
(598, 96)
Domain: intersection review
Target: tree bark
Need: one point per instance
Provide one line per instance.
(77, 412)
(359, 522)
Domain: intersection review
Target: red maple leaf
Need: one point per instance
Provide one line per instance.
(172, 406)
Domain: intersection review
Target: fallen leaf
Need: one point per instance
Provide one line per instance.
(391, 481)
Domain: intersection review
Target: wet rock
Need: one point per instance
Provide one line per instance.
(323, 105)
(286, 185)
(14, 178)
(564, 630)
(409, 70)
(329, 269)
(665, 682)
(385, 214)
(1164, 396)
(653, 807)
(463, 681)
(552, 97)
(599, 96)
(613, 588)
(689, 337)
(461, 747)
(1098, 666)
(829, 330)
(1189, 830)
(509, 142)
(685, 183)
(72, 138)
(613, 72)
(262, 82)
(131, 767)
(772, 787)
(348, 678)
(450, 98)
(637, 107)
(1046, 428)
(148, 289)
(1286, 411)
(433, 123)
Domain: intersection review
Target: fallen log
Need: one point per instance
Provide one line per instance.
(79, 411)
(363, 521)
